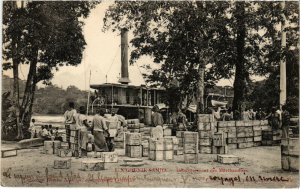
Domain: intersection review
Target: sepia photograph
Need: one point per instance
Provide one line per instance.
(150, 94)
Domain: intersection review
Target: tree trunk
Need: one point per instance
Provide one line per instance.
(240, 72)
(200, 89)
(16, 96)
(28, 98)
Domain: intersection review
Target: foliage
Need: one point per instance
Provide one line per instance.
(241, 38)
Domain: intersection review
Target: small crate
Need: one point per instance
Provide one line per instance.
(62, 164)
(205, 126)
(257, 138)
(205, 149)
(107, 157)
(92, 165)
(156, 144)
(168, 155)
(156, 155)
(133, 138)
(8, 152)
(167, 132)
(168, 144)
(205, 141)
(219, 139)
(64, 153)
(135, 151)
(190, 148)
(180, 134)
(191, 137)
(145, 152)
(227, 159)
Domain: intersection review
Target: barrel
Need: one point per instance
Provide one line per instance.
(290, 154)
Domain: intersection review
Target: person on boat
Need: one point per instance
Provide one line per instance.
(285, 122)
(32, 128)
(100, 131)
(82, 126)
(157, 118)
(70, 122)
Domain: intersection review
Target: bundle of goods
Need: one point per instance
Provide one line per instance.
(190, 147)
(206, 129)
(290, 154)
(133, 143)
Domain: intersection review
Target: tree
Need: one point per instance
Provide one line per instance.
(51, 37)
(237, 38)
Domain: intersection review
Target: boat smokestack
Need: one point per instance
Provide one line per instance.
(124, 57)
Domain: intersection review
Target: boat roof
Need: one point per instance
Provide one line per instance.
(119, 85)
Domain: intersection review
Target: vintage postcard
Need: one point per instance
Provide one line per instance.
(164, 94)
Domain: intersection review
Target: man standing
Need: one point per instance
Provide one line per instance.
(70, 122)
(285, 122)
(32, 129)
(99, 131)
(157, 118)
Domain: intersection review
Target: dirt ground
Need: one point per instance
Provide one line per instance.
(259, 167)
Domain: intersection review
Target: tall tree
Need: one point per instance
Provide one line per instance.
(51, 37)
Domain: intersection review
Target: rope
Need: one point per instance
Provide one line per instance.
(112, 61)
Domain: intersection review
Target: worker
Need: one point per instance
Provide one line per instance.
(113, 116)
(100, 130)
(274, 119)
(70, 122)
(82, 126)
(179, 121)
(32, 128)
(157, 118)
(226, 116)
(285, 122)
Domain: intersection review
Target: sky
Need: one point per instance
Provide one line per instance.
(102, 56)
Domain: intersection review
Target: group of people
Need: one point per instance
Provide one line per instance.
(95, 132)
(46, 132)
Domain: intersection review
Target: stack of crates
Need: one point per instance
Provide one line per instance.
(179, 136)
(190, 147)
(119, 140)
(156, 149)
(74, 136)
(206, 129)
(229, 129)
(244, 133)
(145, 144)
(133, 143)
(133, 125)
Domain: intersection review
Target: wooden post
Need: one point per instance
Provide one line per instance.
(283, 61)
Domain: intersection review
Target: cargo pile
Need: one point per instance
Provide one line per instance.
(290, 154)
(133, 148)
(206, 130)
(190, 147)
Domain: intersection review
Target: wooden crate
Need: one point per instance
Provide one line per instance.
(174, 139)
(257, 128)
(205, 149)
(108, 157)
(219, 139)
(92, 165)
(180, 142)
(145, 152)
(134, 151)
(205, 126)
(257, 133)
(205, 134)
(219, 149)
(157, 132)
(119, 144)
(156, 155)
(226, 124)
(133, 138)
(205, 141)
(245, 145)
(168, 144)
(255, 122)
(180, 134)
(64, 146)
(240, 124)
(257, 138)
(227, 159)
(168, 155)
(64, 153)
(245, 139)
(8, 152)
(191, 158)
(264, 122)
(156, 144)
(190, 148)
(167, 132)
(205, 118)
(62, 164)
(244, 131)
(231, 140)
(191, 137)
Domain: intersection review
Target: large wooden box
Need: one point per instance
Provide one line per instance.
(191, 137)
(168, 155)
(92, 165)
(205, 134)
(133, 138)
(205, 149)
(62, 164)
(205, 141)
(134, 151)
(190, 148)
(219, 139)
(167, 132)
(205, 126)
(180, 134)
(168, 144)
(227, 159)
(156, 144)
